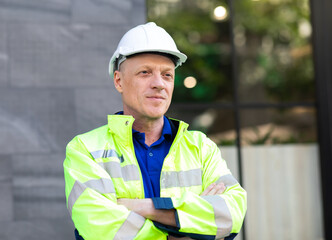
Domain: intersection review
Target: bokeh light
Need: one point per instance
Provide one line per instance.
(220, 13)
(190, 82)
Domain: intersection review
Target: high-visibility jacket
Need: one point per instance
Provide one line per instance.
(101, 166)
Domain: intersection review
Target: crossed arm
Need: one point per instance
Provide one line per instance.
(145, 207)
(98, 214)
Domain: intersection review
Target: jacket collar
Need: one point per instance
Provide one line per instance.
(121, 126)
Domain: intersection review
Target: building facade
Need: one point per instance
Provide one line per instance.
(54, 84)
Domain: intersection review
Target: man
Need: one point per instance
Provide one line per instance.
(143, 175)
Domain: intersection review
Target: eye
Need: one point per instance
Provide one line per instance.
(144, 72)
(168, 75)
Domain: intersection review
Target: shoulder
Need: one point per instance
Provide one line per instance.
(90, 137)
(199, 137)
(193, 137)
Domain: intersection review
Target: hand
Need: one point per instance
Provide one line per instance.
(145, 208)
(214, 189)
(136, 205)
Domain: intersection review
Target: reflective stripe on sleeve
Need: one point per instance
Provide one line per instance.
(188, 178)
(102, 185)
(130, 227)
(128, 172)
(222, 215)
(228, 180)
(106, 154)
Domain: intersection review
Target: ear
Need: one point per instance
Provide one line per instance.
(117, 76)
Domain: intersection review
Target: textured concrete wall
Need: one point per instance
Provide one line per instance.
(53, 85)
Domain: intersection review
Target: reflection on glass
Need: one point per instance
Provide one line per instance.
(201, 31)
(274, 53)
(217, 124)
(273, 126)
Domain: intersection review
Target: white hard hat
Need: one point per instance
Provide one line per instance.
(145, 38)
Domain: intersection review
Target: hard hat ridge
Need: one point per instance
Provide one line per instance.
(143, 39)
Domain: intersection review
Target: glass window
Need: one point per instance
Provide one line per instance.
(275, 95)
(278, 126)
(217, 124)
(201, 30)
(274, 52)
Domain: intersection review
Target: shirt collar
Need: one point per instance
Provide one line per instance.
(167, 130)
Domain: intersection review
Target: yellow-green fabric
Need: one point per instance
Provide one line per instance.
(101, 166)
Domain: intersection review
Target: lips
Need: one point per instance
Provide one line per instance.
(156, 97)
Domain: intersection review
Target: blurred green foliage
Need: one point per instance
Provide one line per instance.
(272, 37)
(204, 41)
(278, 37)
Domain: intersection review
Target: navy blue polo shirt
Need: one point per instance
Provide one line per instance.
(151, 158)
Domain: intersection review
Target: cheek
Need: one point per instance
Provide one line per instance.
(170, 89)
(133, 93)
(129, 88)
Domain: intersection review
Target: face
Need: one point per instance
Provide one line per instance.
(146, 82)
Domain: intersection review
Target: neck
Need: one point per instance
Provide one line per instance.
(151, 127)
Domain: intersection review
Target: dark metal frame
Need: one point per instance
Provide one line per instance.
(321, 18)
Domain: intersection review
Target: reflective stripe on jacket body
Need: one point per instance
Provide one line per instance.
(101, 166)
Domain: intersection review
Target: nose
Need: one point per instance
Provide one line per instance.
(157, 82)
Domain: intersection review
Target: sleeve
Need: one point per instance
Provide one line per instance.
(208, 217)
(92, 202)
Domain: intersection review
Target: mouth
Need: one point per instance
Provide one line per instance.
(156, 97)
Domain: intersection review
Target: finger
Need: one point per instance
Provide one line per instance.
(221, 188)
(217, 189)
(213, 191)
(208, 189)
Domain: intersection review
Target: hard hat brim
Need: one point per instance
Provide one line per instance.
(180, 56)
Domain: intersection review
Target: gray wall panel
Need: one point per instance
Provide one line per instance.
(3, 55)
(35, 11)
(44, 165)
(93, 106)
(6, 190)
(27, 210)
(32, 120)
(38, 186)
(60, 55)
(139, 13)
(42, 5)
(111, 12)
(54, 84)
(37, 229)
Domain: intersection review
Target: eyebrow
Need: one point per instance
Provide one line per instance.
(163, 67)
